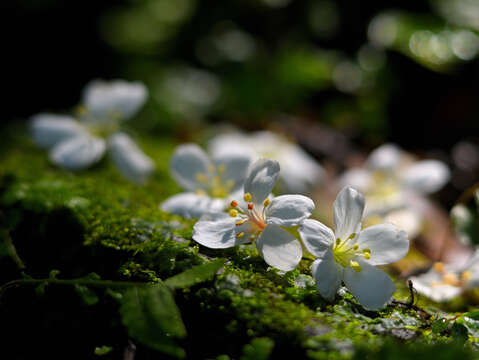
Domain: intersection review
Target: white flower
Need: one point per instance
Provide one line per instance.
(210, 182)
(261, 220)
(391, 181)
(351, 255)
(76, 145)
(443, 282)
(299, 171)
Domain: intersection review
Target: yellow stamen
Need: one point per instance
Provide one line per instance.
(439, 267)
(233, 213)
(465, 276)
(247, 197)
(352, 236)
(240, 235)
(451, 279)
(355, 265)
(252, 237)
(266, 202)
(241, 222)
(202, 178)
(355, 246)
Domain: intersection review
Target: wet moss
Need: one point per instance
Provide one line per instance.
(96, 221)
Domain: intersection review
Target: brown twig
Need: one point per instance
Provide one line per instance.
(410, 303)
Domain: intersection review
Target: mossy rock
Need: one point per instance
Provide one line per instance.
(97, 222)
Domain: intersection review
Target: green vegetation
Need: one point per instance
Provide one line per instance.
(92, 251)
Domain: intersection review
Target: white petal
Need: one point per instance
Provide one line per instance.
(218, 233)
(191, 205)
(234, 169)
(189, 161)
(372, 287)
(426, 176)
(50, 129)
(113, 100)
(431, 285)
(78, 153)
(316, 237)
(360, 179)
(231, 143)
(386, 157)
(348, 212)
(289, 210)
(328, 275)
(406, 219)
(386, 242)
(129, 158)
(279, 248)
(299, 171)
(261, 179)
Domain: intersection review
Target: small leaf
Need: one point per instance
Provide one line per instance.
(459, 332)
(92, 276)
(40, 289)
(87, 294)
(195, 275)
(152, 318)
(103, 350)
(53, 274)
(473, 315)
(258, 349)
(470, 324)
(439, 326)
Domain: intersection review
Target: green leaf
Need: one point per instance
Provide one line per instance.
(87, 294)
(53, 274)
(473, 315)
(152, 317)
(470, 324)
(92, 276)
(459, 332)
(40, 289)
(103, 350)
(439, 326)
(195, 275)
(258, 349)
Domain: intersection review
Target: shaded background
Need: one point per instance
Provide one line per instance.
(282, 61)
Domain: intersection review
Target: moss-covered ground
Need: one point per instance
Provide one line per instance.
(97, 222)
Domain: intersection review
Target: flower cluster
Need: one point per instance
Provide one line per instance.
(394, 184)
(443, 282)
(78, 144)
(280, 227)
(299, 171)
(210, 183)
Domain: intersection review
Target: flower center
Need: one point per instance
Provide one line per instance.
(345, 251)
(254, 216)
(385, 188)
(449, 278)
(214, 183)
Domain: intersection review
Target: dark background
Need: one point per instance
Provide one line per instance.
(51, 48)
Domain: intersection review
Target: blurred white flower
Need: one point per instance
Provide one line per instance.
(299, 171)
(210, 182)
(79, 144)
(351, 255)
(260, 220)
(390, 180)
(444, 282)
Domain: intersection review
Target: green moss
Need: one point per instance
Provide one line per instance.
(96, 221)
